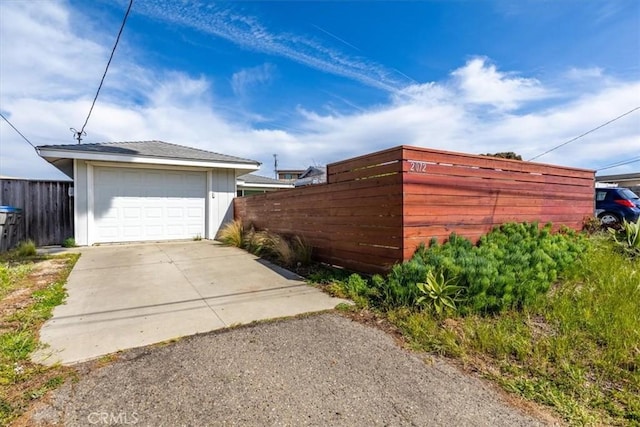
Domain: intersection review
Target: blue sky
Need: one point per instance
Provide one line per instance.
(317, 82)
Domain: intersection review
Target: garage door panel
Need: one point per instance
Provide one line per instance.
(132, 213)
(195, 213)
(148, 204)
(153, 212)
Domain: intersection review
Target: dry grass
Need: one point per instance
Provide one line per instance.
(232, 234)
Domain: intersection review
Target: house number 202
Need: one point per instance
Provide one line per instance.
(417, 166)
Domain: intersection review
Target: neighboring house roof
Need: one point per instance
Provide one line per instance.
(290, 171)
(313, 175)
(150, 152)
(621, 177)
(257, 181)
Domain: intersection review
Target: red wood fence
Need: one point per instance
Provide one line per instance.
(375, 209)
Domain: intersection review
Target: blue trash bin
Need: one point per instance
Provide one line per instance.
(10, 221)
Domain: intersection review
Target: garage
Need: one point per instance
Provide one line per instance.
(148, 204)
(147, 190)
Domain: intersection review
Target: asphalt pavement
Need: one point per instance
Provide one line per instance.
(319, 370)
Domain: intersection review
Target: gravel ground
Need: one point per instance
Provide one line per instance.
(319, 370)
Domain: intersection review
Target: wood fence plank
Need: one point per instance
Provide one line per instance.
(46, 207)
(370, 224)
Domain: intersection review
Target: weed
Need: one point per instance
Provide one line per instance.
(69, 242)
(20, 379)
(17, 345)
(576, 349)
(26, 249)
(197, 237)
(11, 275)
(302, 250)
(591, 225)
(324, 274)
(628, 238)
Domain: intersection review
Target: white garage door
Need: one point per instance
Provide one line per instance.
(147, 204)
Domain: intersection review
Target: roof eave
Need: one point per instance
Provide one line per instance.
(50, 154)
(248, 184)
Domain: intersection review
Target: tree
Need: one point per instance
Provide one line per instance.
(505, 155)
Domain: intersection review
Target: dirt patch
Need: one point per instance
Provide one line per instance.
(25, 383)
(44, 273)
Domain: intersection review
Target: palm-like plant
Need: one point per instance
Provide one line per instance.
(628, 237)
(438, 293)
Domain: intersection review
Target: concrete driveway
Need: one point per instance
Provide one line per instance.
(126, 296)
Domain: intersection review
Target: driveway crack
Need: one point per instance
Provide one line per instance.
(202, 297)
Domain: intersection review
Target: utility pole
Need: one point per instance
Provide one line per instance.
(275, 165)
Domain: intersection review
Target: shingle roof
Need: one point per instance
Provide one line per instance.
(150, 149)
(257, 179)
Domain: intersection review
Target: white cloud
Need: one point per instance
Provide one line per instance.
(481, 83)
(37, 37)
(249, 33)
(585, 73)
(246, 78)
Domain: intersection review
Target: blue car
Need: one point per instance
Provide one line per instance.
(616, 204)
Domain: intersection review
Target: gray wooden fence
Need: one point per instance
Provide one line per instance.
(47, 209)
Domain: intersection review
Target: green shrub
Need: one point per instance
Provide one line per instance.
(26, 249)
(69, 242)
(354, 287)
(510, 267)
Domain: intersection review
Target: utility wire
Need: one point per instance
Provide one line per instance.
(620, 163)
(584, 134)
(16, 129)
(81, 132)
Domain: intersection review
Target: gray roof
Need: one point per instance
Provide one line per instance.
(150, 149)
(257, 179)
(619, 177)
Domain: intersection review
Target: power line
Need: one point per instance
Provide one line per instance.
(584, 134)
(620, 163)
(79, 134)
(16, 129)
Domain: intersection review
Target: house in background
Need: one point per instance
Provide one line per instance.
(629, 180)
(147, 190)
(313, 175)
(289, 175)
(255, 184)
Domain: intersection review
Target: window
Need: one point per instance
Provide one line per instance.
(600, 195)
(628, 194)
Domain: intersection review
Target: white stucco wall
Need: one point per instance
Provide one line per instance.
(80, 207)
(222, 190)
